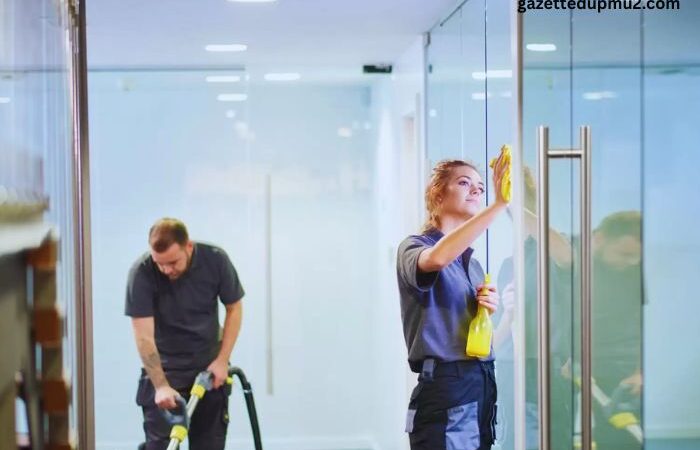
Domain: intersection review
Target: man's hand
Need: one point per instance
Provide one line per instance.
(487, 297)
(566, 370)
(165, 397)
(219, 368)
(633, 383)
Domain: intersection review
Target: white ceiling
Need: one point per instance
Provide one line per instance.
(332, 39)
(281, 36)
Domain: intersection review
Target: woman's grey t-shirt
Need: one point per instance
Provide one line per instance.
(184, 311)
(436, 307)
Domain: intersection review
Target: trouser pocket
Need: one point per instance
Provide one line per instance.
(489, 412)
(410, 418)
(413, 407)
(145, 393)
(462, 428)
(454, 428)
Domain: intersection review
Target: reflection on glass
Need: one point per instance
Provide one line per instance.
(607, 97)
(36, 125)
(616, 306)
(562, 91)
(561, 312)
(547, 101)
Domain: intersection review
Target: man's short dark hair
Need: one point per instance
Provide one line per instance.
(620, 224)
(166, 232)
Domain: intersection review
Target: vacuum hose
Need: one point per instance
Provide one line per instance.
(250, 403)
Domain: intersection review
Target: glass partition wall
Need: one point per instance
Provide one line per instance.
(582, 83)
(671, 246)
(470, 100)
(38, 125)
(281, 176)
(627, 77)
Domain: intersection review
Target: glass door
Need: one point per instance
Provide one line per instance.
(671, 242)
(546, 101)
(581, 137)
(606, 95)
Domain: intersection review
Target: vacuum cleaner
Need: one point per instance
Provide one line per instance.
(179, 418)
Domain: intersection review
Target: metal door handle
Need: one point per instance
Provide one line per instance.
(544, 153)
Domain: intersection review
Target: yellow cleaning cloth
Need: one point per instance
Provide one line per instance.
(506, 186)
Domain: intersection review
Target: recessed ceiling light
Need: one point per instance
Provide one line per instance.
(232, 97)
(231, 113)
(226, 47)
(344, 132)
(541, 47)
(599, 95)
(480, 95)
(290, 76)
(4, 99)
(223, 78)
(492, 74)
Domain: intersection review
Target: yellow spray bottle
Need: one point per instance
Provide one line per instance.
(480, 329)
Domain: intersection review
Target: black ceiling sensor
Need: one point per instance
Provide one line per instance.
(376, 68)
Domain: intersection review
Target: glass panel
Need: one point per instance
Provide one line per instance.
(36, 126)
(607, 96)
(547, 101)
(444, 91)
(471, 77)
(457, 92)
(310, 187)
(671, 214)
(187, 156)
(283, 182)
(500, 105)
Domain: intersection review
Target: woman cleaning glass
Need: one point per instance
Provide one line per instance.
(441, 288)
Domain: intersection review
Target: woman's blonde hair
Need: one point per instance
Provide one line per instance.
(436, 187)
